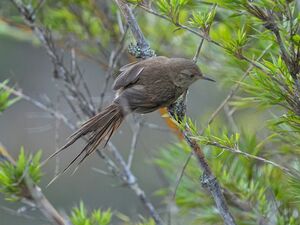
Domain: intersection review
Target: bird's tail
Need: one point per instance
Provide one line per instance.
(99, 128)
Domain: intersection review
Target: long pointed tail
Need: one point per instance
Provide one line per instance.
(99, 128)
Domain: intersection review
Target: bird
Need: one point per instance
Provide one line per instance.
(141, 87)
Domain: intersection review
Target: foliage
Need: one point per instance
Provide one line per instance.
(5, 97)
(13, 175)
(80, 216)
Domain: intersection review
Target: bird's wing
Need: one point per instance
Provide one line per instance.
(129, 74)
(125, 67)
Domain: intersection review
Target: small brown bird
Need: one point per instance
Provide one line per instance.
(142, 87)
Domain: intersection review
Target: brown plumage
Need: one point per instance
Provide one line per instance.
(142, 87)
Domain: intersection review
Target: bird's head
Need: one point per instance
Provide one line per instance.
(188, 73)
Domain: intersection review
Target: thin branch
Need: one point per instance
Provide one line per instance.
(114, 59)
(60, 71)
(178, 180)
(195, 58)
(136, 131)
(130, 180)
(258, 158)
(20, 212)
(155, 126)
(40, 105)
(143, 45)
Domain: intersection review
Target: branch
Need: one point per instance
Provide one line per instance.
(143, 49)
(209, 181)
(261, 159)
(40, 105)
(43, 204)
(130, 180)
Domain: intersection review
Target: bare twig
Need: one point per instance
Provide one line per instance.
(181, 174)
(40, 105)
(136, 131)
(60, 71)
(229, 115)
(130, 180)
(144, 50)
(198, 50)
(21, 213)
(114, 58)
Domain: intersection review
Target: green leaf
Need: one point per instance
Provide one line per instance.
(12, 183)
(5, 97)
(80, 216)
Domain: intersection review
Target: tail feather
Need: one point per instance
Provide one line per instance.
(100, 128)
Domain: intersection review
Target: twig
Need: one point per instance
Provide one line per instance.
(20, 212)
(181, 174)
(209, 181)
(136, 131)
(40, 105)
(60, 71)
(230, 118)
(238, 151)
(195, 59)
(43, 204)
(130, 180)
(114, 58)
(155, 126)
(144, 50)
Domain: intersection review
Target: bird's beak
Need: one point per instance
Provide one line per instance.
(207, 78)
